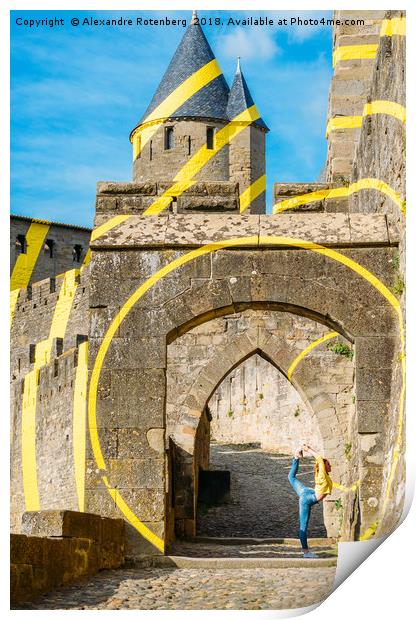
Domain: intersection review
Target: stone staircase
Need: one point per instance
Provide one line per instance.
(206, 552)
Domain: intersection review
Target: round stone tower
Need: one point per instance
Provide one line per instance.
(164, 141)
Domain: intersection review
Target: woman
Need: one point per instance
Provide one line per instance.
(307, 496)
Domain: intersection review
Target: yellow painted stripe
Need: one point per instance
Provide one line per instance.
(252, 192)
(79, 422)
(344, 489)
(141, 290)
(28, 440)
(111, 223)
(389, 108)
(307, 350)
(14, 296)
(25, 263)
(389, 28)
(393, 26)
(354, 52)
(142, 134)
(131, 517)
(341, 192)
(343, 122)
(42, 356)
(184, 178)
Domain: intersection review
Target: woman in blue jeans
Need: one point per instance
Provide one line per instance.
(307, 496)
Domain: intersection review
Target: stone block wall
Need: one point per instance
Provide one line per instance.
(55, 393)
(350, 88)
(135, 198)
(381, 154)
(320, 202)
(155, 163)
(248, 162)
(65, 237)
(256, 403)
(241, 162)
(59, 547)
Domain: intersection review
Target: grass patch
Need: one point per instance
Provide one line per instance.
(347, 450)
(341, 349)
(398, 286)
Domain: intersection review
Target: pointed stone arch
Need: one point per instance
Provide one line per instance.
(280, 354)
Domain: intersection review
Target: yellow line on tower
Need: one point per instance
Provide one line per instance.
(184, 178)
(395, 26)
(252, 192)
(142, 134)
(389, 108)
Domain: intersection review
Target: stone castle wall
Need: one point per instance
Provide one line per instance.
(381, 154)
(241, 162)
(248, 163)
(349, 88)
(256, 404)
(55, 394)
(155, 163)
(65, 238)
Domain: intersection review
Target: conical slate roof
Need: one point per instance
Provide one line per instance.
(240, 98)
(193, 53)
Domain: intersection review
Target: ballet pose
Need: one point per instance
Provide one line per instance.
(307, 496)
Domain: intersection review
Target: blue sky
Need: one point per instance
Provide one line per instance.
(77, 93)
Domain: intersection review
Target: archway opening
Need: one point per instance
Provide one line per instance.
(199, 362)
(244, 445)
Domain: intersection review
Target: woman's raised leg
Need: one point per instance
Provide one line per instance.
(296, 484)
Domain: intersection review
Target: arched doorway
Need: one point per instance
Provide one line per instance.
(199, 373)
(254, 419)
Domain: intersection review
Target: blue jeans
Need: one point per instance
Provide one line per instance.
(307, 498)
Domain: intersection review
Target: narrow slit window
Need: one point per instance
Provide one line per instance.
(138, 147)
(151, 150)
(189, 145)
(210, 138)
(168, 138)
(49, 248)
(77, 253)
(21, 245)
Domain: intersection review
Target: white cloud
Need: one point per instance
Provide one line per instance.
(254, 42)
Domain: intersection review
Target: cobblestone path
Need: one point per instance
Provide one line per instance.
(160, 588)
(263, 504)
(263, 549)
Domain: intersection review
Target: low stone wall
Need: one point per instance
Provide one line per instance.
(283, 192)
(60, 546)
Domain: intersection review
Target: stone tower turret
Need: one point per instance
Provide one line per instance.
(247, 155)
(163, 143)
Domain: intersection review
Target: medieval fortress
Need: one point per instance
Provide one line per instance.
(189, 314)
